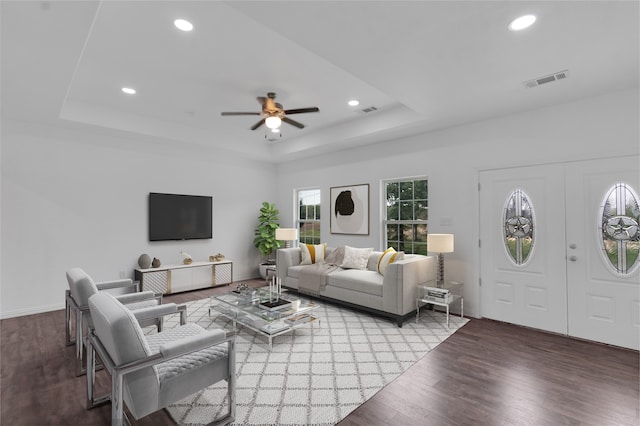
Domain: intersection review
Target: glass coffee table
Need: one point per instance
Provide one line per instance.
(264, 312)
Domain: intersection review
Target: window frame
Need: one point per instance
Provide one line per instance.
(418, 246)
(316, 221)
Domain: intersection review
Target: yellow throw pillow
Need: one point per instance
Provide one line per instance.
(388, 257)
(312, 253)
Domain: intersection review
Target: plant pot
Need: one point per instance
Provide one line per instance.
(263, 270)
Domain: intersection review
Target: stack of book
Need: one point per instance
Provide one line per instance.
(275, 305)
(437, 294)
(298, 319)
(274, 327)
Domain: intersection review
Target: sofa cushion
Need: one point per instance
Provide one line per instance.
(356, 258)
(389, 256)
(360, 280)
(374, 258)
(312, 253)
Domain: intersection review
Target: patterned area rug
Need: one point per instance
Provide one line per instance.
(317, 374)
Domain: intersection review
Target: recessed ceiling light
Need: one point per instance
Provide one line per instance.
(522, 22)
(129, 90)
(354, 102)
(183, 24)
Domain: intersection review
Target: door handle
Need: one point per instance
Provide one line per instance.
(573, 258)
(572, 246)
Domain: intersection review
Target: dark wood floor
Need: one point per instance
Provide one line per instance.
(487, 373)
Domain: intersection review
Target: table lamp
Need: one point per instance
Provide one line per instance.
(440, 243)
(287, 235)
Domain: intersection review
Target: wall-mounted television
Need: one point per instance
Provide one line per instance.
(180, 217)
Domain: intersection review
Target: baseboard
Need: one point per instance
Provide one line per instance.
(31, 311)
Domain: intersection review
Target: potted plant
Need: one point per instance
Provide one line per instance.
(265, 234)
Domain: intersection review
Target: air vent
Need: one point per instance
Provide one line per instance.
(367, 110)
(560, 75)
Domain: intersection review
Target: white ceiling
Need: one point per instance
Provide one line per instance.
(424, 65)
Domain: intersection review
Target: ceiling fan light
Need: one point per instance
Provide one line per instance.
(183, 24)
(276, 130)
(522, 22)
(273, 122)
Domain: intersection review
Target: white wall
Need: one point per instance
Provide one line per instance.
(72, 198)
(591, 128)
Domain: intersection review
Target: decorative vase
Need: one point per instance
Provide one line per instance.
(155, 263)
(144, 261)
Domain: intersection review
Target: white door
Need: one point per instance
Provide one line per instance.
(604, 290)
(581, 276)
(523, 277)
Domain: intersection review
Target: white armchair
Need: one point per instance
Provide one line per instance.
(150, 372)
(81, 287)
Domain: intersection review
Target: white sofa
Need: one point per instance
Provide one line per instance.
(392, 295)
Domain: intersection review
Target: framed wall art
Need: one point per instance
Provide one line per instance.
(350, 209)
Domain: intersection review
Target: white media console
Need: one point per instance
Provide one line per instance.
(176, 278)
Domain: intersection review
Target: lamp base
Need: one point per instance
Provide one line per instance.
(440, 275)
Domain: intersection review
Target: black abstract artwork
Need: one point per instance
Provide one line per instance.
(350, 209)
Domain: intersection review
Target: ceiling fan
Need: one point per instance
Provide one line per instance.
(273, 114)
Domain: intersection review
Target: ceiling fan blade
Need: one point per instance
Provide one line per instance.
(258, 124)
(240, 113)
(293, 123)
(302, 110)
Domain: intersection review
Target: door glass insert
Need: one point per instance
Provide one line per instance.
(618, 228)
(519, 225)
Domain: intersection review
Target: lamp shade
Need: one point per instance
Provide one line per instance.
(286, 234)
(440, 243)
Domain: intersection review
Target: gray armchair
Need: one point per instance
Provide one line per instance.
(150, 372)
(81, 287)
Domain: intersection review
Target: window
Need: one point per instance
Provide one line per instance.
(406, 214)
(309, 216)
(618, 228)
(519, 226)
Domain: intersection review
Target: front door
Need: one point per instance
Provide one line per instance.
(602, 249)
(559, 248)
(522, 244)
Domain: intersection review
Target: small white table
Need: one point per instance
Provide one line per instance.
(455, 294)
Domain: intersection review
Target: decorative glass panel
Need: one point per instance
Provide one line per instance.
(620, 239)
(519, 226)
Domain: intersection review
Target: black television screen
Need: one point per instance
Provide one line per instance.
(179, 217)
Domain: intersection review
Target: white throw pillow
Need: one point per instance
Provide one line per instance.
(312, 253)
(356, 258)
(389, 256)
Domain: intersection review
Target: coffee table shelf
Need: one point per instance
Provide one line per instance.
(245, 312)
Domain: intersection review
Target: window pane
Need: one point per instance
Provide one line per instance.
(393, 191)
(519, 226)
(393, 211)
(620, 236)
(420, 233)
(406, 190)
(421, 211)
(406, 210)
(420, 189)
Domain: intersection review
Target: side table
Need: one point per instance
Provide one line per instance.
(455, 294)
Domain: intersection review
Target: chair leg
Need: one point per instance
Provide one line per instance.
(80, 367)
(67, 311)
(117, 412)
(231, 388)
